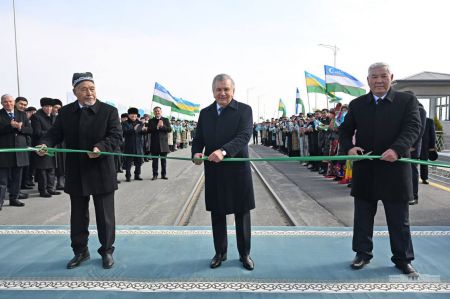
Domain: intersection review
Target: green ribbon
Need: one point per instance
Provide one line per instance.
(51, 151)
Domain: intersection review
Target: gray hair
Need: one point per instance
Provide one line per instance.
(377, 65)
(222, 77)
(5, 96)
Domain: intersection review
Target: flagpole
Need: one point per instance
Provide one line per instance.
(15, 42)
(309, 105)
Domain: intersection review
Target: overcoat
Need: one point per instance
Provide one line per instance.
(13, 138)
(392, 124)
(95, 126)
(41, 123)
(428, 139)
(228, 185)
(159, 142)
(134, 140)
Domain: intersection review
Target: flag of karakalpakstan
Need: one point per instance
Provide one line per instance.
(314, 84)
(339, 81)
(163, 96)
(282, 107)
(298, 101)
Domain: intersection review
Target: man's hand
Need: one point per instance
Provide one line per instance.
(160, 124)
(389, 155)
(216, 156)
(198, 156)
(16, 125)
(355, 151)
(94, 152)
(42, 150)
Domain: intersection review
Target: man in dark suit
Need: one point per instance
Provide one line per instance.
(428, 145)
(45, 166)
(15, 128)
(158, 127)
(133, 130)
(386, 123)
(88, 124)
(223, 130)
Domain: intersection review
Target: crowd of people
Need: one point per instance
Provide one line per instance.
(317, 134)
(28, 124)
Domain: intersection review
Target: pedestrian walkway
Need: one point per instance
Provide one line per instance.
(168, 262)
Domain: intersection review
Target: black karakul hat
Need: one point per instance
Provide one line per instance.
(124, 115)
(30, 108)
(133, 110)
(77, 78)
(46, 102)
(433, 155)
(57, 102)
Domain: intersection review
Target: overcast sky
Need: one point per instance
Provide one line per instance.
(265, 45)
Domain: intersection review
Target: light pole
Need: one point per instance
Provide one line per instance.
(15, 42)
(248, 92)
(333, 48)
(259, 100)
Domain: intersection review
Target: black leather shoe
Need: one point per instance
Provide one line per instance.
(16, 203)
(52, 192)
(407, 269)
(22, 196)
(137, 178)
(26, 187)
(247, 262)
(128, 179)
(107, 260)
(1, 205)
(425, 182)
(154, 177)
(413, 202)
(45, 194)
(60, 188)
(359, 263)
(78, 259)
(217, 260)
(164, 177)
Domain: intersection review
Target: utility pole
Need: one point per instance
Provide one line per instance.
(333, 48)
(15, 41)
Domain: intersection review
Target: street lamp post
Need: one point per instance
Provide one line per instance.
(333, 48)
(248, 93)
(259, 100)
(15, 42)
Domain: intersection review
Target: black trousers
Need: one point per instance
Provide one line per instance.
(163, 164)
(79, 222)
(243, 232)
(397, 218)
(415, 175)
(46, 179)
(137, 166)
(10, 179)
(424, 172)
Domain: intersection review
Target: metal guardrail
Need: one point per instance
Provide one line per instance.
(440, 141)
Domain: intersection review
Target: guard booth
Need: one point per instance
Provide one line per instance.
(433, 91)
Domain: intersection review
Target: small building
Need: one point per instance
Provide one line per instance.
(430, 88)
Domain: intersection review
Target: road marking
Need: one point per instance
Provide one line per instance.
(440, 186)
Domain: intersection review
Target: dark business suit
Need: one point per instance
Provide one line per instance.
(96, 126)
(11, 164)
(415, 154)
(393, 124)
(428, 142)
(159, 144)
(228, 186)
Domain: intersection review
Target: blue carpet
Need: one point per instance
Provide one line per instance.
(168, 262)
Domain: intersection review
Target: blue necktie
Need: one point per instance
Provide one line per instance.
(11, 115)
(219, 110)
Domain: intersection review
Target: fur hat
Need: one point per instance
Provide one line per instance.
(46, 102)
(133, 110)
(57, 102)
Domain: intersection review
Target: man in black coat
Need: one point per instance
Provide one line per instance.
(88, 124)
(158, 127)
(15, 128)
(386, 123)
(223, 130)
(133, 131)
(428, 145)
(44, 166)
